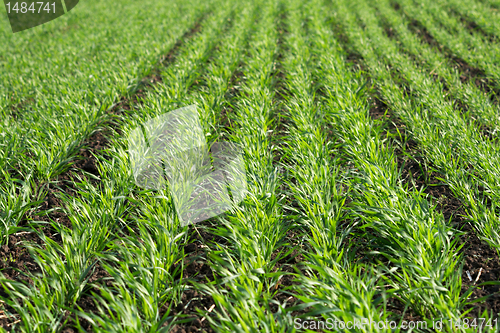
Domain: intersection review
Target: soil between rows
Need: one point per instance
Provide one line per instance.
(469, 73)
(477, 254)
(15, 258)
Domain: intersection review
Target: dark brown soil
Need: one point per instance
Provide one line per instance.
(15, 263)
(476, 253)
(14, 257)
(124, 107)
(379, 112)
(87, 303)
(469, 73)
(417, 170)
(482, 261)
(474, 27)
(196, 268)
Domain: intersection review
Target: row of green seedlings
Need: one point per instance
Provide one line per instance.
(487, 114)
(450, 32)
(46, 140)
(336, 288)
(247, 276)
(98, 215)
(72, 89)
(92, 40)
(129, 253)
(210, 96)
(464, 146)
(444, 136)
(402, 225)
(479, 13)
(479, 103)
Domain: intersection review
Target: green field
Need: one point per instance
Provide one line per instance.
(370, 138)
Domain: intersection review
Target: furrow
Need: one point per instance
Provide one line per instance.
(96, 216)
(246, 279)
(422, 244)
(477, 101)
(469, 46)
(442, 134)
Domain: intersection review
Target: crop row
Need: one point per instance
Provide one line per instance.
(325, 182)
(97, 216)
(49, 111)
